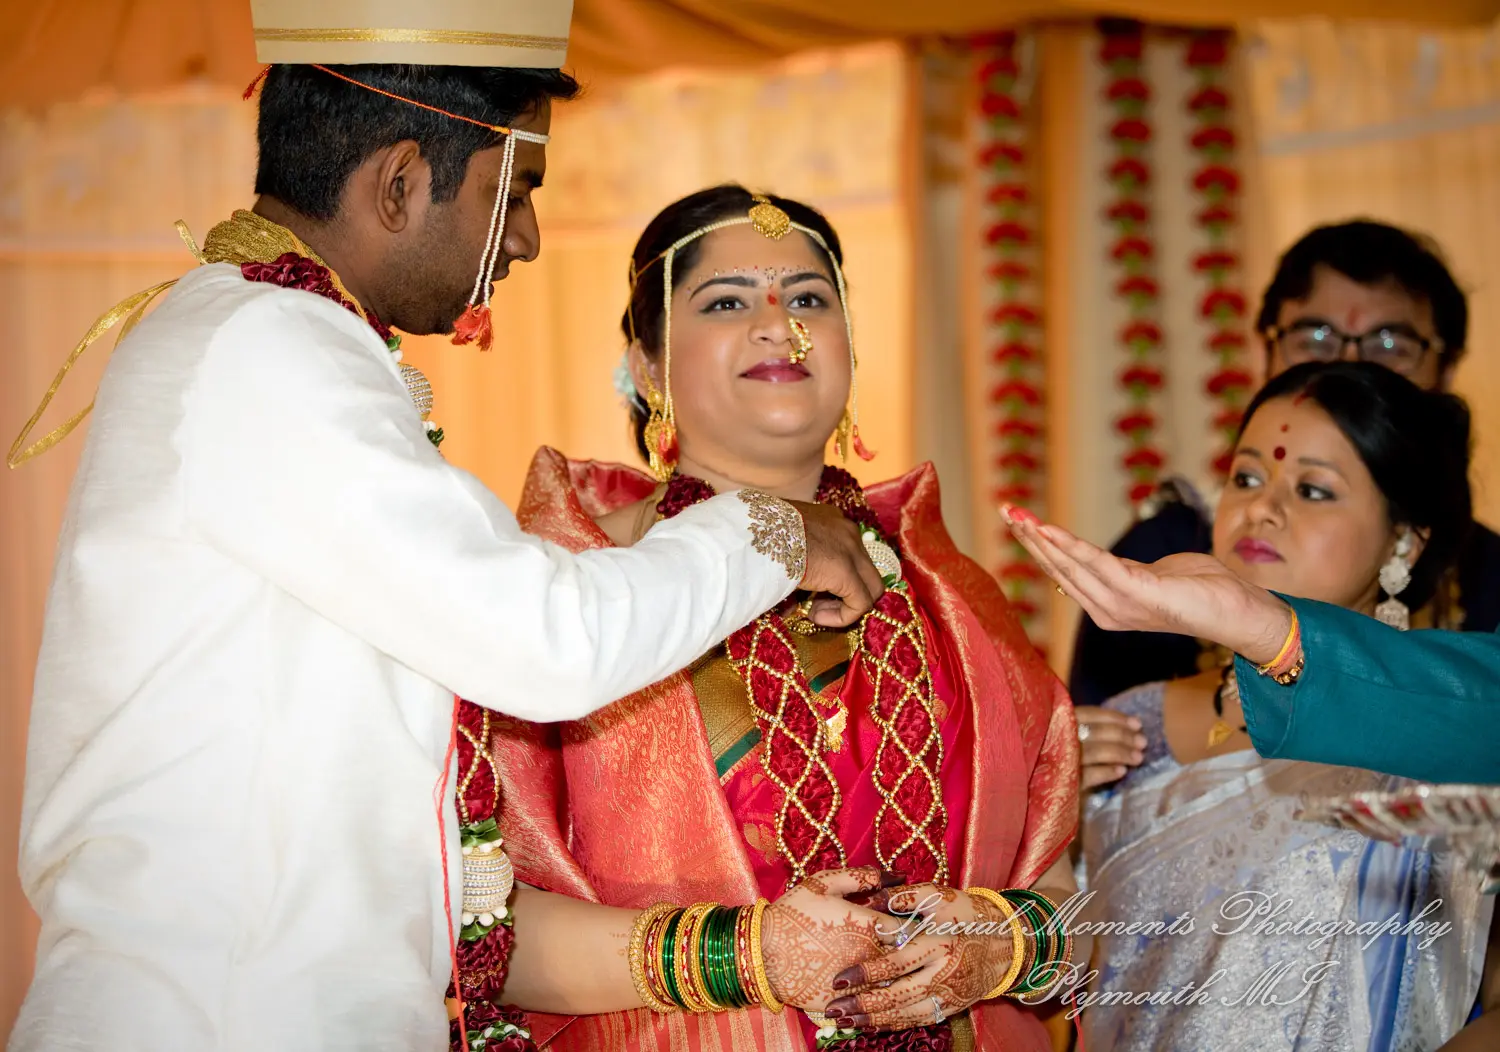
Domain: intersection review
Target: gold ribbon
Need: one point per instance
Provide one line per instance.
(473, 38)
(129, 309)
(242, 238)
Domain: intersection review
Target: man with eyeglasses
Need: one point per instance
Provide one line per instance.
(1361, 290)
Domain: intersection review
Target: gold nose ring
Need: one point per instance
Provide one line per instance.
(802, 340)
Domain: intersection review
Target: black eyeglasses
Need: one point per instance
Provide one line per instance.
(1397, 349)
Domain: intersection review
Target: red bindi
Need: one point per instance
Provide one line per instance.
(771, 298)
(1285, 428)
(1279, 452)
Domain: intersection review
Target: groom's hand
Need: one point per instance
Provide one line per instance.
(837, 565)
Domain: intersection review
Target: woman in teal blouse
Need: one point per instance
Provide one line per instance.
(1422, 704)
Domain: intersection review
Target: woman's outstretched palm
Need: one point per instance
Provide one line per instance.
(1188, 594)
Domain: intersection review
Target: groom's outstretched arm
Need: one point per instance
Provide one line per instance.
(306, 462)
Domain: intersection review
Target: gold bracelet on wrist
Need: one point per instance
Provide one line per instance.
(692, 923)
(1018, 941)
(768, 999)
(638, 933)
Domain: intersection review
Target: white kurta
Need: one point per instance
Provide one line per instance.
(268, 588)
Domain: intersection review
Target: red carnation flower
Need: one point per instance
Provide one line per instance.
(1017, 461)
(1016, 390)
(1137, 285)
(1225, 300)
(1126, 247)
(1215, 214)
(1209, 98)
(999, 66)
(1019, 571)
(1014, 493)
(1141, 332)
(1227, 340)
(1141, 491)
(1224, 461)
(1228, 419)
(994, 40)
(1145, 457)
(1213, 138)
(1228, 380)
(1130, 169)
(1209, 49)
(483, 964)
(1002, 193)
(1016, 428)
(1216, 175)
(1026, 610)
(1133, 88)
(1128, 211)
(1015, 351)
(1003, 106)
(1130, 423)
(1014, 314)
(1141, 376)
(1117, 47)
(1131, 129)
(1001, 152)
(1010, 270)
(1008, 232)
(1215, 261)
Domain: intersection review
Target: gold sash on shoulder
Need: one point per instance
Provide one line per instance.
(242, 238)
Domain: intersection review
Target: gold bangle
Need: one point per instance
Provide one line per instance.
(638, 932)
(1017, 939)
(768, 999)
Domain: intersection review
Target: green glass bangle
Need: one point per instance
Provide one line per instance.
(714, 958)
(729, 957)
(668, 944)
(1040, 938)
(1051, 944)
(708, 956)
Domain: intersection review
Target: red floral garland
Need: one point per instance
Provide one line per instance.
(1133, 252)
(1010, 239)
(1216, 182)
(483, 962)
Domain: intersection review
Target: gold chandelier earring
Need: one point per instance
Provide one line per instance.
(660, 433)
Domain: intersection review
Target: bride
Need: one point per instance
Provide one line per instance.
(931, 740)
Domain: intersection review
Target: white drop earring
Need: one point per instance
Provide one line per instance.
(1395, 575)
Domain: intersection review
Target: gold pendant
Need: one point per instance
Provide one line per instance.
(1219, 733)
(835, 726)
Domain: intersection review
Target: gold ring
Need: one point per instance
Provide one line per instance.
(1060, 590)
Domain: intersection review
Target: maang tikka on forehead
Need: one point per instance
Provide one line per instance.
(773, 223)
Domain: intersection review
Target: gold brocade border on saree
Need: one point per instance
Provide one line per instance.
(410, 36)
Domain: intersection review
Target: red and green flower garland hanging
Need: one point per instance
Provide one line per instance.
(1216, 182)
(1132, 251)
(1014, 320)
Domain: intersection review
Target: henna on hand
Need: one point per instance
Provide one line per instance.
(811, 934)
(957, 967)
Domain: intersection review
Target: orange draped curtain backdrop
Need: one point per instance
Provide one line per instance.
(52, 50)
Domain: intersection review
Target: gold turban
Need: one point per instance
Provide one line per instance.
(529, 33)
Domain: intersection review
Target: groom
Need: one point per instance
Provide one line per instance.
(270, 585)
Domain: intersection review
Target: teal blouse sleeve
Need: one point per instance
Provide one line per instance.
(1424, 704)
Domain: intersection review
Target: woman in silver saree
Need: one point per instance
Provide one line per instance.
(1253, 929)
